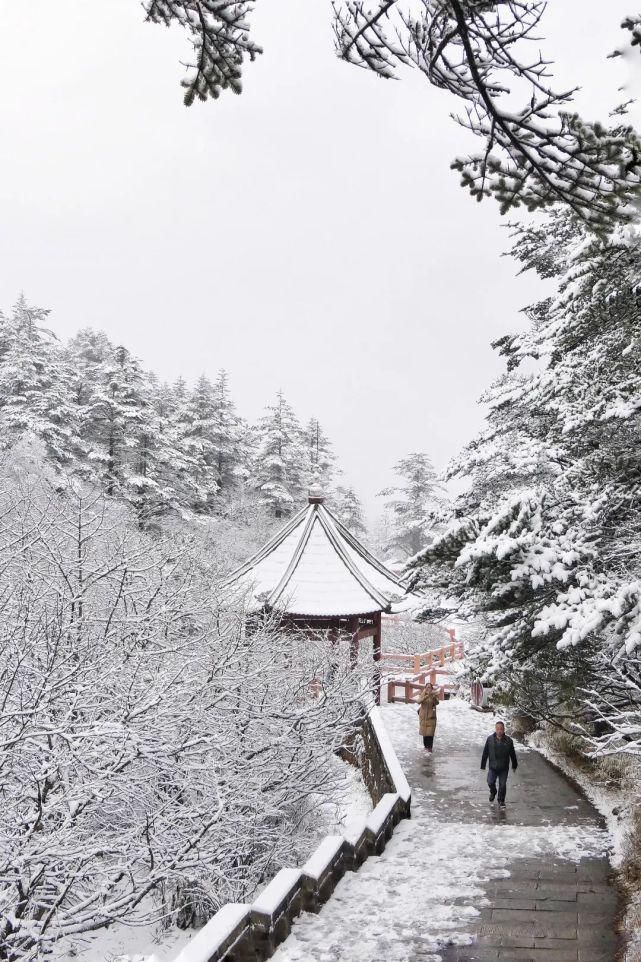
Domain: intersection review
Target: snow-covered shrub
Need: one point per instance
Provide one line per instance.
(155, 756)
(413, 637)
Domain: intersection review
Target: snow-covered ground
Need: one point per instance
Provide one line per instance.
(430, 882)
(121, 943)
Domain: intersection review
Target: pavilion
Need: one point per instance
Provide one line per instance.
(316, 576)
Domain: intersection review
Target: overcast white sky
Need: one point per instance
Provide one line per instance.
(307, 235)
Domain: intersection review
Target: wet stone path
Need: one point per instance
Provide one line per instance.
(463, 881)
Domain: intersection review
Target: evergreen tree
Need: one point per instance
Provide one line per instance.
(279, 473)
(121, 427)
(543, 546)
(412, 505)
(321, 462)
(179, 468)
(228, 433)
(348, 510)
(197, 421)
(36, 394)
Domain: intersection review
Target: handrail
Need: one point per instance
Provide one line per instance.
(455, 651)
(422, 668)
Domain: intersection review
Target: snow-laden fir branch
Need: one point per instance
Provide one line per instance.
(219, 35)
(487, 55)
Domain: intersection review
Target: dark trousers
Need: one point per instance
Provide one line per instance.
(428, 741)
(501, 776)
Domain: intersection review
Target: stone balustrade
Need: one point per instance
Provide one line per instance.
(251, 933)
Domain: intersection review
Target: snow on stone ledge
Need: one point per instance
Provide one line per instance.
(214, 933)
(398, 775)
(277, 891)
(384, 808)
(353, 835)
(323, 857)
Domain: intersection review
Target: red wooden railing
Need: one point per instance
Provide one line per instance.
(421, 669)
(417, 671)
(425, 662)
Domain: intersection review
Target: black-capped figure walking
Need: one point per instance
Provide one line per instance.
(499, 752)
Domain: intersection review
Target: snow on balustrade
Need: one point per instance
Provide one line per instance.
(381, 813)
(324, 855)
(215, 932)
(274, 894)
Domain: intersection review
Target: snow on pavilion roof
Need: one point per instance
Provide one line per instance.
(315, 567)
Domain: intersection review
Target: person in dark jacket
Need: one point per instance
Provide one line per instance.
(499, 751)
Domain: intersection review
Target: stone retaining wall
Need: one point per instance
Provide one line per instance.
(364, 752)
(251, 933)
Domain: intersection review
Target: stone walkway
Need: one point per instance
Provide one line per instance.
(461, 880)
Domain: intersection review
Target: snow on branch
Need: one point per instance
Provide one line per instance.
(158, 757)
(534, 155)
(219, 32)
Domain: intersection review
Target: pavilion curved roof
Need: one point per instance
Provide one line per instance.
(315, 567)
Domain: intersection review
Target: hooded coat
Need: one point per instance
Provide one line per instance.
(428, 702)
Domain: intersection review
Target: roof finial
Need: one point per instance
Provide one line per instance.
(315, 494)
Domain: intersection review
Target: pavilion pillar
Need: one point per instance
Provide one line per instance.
(378, 633)
(333, 637)
(353, 642)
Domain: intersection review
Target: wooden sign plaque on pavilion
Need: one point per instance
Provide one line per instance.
(318, 577)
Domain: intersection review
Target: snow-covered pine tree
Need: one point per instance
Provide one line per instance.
(281, 457)
(197, 418)
(348, 509)
(544, 544)
(36, 386)
(120, 426)
(228, 437)
(412, 505)
(321, 461)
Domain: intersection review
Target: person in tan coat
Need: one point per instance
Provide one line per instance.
(428, 702)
